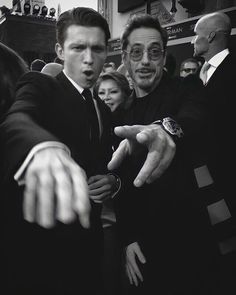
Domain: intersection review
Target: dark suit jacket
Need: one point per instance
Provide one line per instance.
(163, 217)
(220, 92)
(219, 157)
(67, 257)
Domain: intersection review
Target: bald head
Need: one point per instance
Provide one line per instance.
(52, 69)
(212, 32)
(217, 21)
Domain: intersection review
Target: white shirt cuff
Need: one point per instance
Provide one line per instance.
(19, 176)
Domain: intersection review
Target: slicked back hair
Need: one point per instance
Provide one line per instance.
(82, 16)
(142, 21)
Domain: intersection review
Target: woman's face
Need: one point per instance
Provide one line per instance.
(111, 94)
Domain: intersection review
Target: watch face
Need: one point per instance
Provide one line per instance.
(172, 127)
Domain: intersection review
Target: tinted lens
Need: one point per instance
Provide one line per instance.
(188, 70)
(136, 54)
(154, 53)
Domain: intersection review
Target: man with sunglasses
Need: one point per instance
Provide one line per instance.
(158, 222)
(188, 66)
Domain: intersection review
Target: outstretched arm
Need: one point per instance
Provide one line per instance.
(160, 150)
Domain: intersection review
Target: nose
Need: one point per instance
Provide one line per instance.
(145, 58)
(106, 96)
(88, 57)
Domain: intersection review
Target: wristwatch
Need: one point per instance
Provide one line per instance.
(171, 127)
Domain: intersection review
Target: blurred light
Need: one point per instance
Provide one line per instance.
(52, 12)
(44, 11)
(36, 9)
(27, 7)
(173, 9)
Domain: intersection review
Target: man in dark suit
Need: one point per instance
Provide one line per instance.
(214, 174)
(160, 224)
(54, 139)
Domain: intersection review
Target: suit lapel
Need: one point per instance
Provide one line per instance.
(72, 92)
(104, 115)
(217, 75)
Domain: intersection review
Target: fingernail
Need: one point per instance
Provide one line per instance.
(137, 182)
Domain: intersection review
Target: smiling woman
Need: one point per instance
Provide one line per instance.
(113, 88)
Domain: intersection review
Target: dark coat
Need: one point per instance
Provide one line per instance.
(165, 217)
(219, 157)
(65, 259)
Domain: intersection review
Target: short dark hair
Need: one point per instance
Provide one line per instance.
(37, 65)
(142, 21)
(190, 59)
(119, 78)
(109, 64)
(82, 16)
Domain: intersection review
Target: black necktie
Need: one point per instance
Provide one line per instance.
(92, 116)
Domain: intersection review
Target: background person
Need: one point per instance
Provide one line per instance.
(52, 69)
(113, 88)
(109, 67)
(188, 66)
(37, 65)
(12, 67)
(212, 42)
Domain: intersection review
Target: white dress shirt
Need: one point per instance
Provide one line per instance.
(215, 61)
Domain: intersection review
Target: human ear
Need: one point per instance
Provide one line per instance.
(211, 36)
(59, 50)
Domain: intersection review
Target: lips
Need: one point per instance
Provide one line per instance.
(88, 73)
(144, 71)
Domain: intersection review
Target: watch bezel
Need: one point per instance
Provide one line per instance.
(171, 127)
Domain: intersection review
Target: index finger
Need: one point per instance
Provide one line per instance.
(155, 151)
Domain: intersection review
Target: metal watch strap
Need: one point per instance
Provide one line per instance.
(171, 127)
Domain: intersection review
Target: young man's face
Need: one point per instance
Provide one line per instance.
(84, 53)
(145, 68)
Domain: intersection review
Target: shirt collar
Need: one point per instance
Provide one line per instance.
(78, 87)
(217, 59)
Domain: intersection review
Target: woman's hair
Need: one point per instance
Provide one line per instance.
(82, 16)
(12, 67)
(120, 80)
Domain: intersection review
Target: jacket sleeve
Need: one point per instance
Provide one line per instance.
(21, 128)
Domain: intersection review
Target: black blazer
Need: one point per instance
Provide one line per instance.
(51, 109)
(220, 95)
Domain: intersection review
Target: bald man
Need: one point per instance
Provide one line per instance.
(213, 174)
